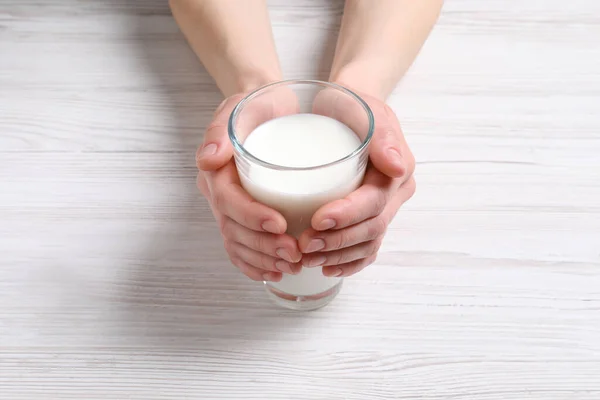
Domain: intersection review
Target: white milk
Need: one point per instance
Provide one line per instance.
(302, 140)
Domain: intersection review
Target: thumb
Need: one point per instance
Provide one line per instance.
(389, 151)
(216, 150)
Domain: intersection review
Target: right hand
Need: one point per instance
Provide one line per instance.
(253, 234)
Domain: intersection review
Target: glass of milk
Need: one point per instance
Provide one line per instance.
(298, 145)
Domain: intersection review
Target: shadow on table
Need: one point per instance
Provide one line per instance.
(181, 289)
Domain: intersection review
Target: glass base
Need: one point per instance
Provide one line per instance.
(302, 303)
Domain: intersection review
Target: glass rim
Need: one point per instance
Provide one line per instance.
(239, 147)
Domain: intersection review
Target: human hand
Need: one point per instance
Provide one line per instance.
(346, 234)
(253, 234)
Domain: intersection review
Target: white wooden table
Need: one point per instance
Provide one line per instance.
(113, 283)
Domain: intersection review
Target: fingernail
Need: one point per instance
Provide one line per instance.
(326, 224)
(283, 266)
(270, 226)
(208, 150)
(270, 276)
(283, 253)
(336, 272)
(315, 245)
(267, 276)
(316, 261)
(296, 269)
(395, 156)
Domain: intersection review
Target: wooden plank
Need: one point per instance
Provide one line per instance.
(113, 281)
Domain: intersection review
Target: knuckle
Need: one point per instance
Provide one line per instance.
(229, 248)
(345, 218)
(410, 163)
(198, 156)
(379, 242)
(381, 225)
(389, 134)
(368, 261)
(214, 126)
(337, 258)
(376, 228)
(388, 111)
(373, 247)
(267, 262)
(249, 220)
(333, 241)
(372, 259)
(235, 261)
(258, 242)
(412, 187)
(343, 239)
(380, 202)
(218, 200)
(226, 227)
(220, 107)
(202, 185)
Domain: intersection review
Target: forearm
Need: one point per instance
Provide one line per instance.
(379, 40)
(232, 38)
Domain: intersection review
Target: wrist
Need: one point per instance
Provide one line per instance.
(232, 80)
(366, 77)
(243, 70)
(251, 80)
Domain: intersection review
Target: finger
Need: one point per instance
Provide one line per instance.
(368, 201)
(404, 193)
(337, 104)
(344, 256)
(216, 150)
(202, 185)
(276, 101)
(350, 268)
(311, 241)
(281, 246)
(261, 260)
(229, 198)
(255, 274)
(388, 150)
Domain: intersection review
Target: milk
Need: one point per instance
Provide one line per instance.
(302, 140)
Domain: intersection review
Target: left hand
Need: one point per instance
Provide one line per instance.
(346, 234)
(253, 234)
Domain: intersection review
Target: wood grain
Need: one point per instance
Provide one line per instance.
(113, 282)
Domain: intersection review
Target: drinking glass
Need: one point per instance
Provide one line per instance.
(313, 186)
